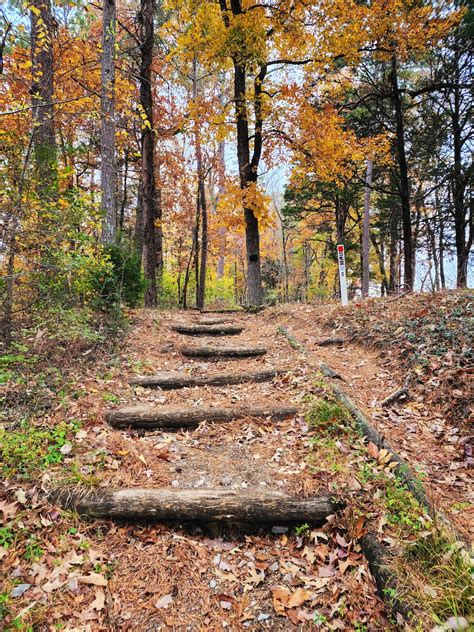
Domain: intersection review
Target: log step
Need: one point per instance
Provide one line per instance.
(255, 506)
(164, 417)
(213, 321)
(174, 379)
(222, 352)
(207, 330)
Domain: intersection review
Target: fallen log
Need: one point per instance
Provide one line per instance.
(327, 342)
(328, 372)
(164, 417)
(196, 504)
(222, 352)
(207, 330)
(364, 426)
(175, 379)
(401, 470)
(385, 579)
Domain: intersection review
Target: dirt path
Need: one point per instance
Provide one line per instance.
(206, 578)
(210, 577)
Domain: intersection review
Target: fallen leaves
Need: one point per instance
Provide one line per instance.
(93, 578)
(284, 601)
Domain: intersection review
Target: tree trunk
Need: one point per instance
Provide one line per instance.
(148, 147)
(202, 202)
(197, 228)
(138, 236)
(379, 251)
(123, 204)
(366, 232)
(248, 168)
(42, 90)
(434, 253)
(253, 506)
(463, 217)
(107, 136)
(403, 183)
(393, 252)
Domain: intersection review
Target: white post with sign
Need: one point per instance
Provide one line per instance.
(341, 260)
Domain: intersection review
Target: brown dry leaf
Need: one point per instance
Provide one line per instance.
(359, 528)
(99, 601)
(8, 510)
(293, 616)
(341, 541)
(281, 596)
(384, 457)
(49, 587)
(322, 551)
(94, 578)
(373, 450)
(298, 598)
(326, 571)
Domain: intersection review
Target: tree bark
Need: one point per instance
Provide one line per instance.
(253, 506)
(107, 136)
(123, 205)
(463, 217)
(167, 381)
(162, 417)
(42, 90)
(148, 149)
(366, 232)
(403, 182)
(393, 254)
(202, 202)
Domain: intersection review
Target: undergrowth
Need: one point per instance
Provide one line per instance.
(442, 570)
(433, 572)
(30, 448)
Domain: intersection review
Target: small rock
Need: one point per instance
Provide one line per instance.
(20, 589)
(263, 617)
(212, 583)
(175, 483)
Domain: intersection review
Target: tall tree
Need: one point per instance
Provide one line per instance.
(107, 138)
(152, 247)
(366, 231)
(42, 90)
(248, 164)
(202, 218)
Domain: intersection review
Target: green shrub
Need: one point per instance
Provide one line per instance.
(122, 281)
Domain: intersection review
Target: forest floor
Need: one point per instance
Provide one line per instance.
(67, 573)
